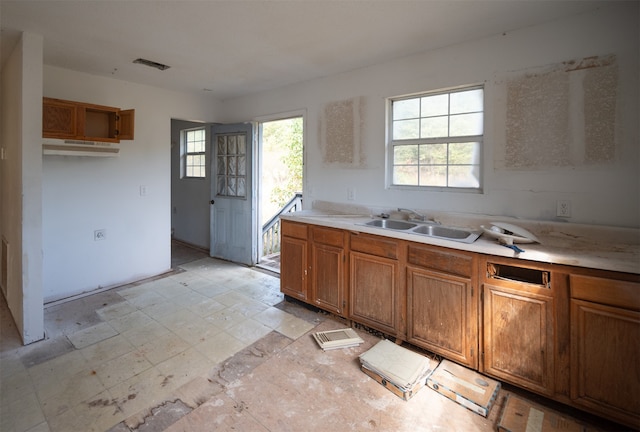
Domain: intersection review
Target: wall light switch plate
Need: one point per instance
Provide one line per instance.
(351, 194)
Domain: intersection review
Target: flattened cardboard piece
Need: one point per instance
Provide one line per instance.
(521, 415)
(464, 386)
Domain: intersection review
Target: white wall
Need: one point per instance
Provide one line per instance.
(21, 185)
(81, 195)
(600, 194)
(190, 208)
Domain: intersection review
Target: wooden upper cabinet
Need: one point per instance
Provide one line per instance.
(82, 121)
(59, 119)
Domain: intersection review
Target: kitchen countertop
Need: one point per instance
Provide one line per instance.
(589, 246)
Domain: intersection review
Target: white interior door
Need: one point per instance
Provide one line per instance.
(233, 215)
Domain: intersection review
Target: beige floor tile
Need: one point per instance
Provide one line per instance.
(41, 427)
(142, 335)
(212, 290)
(184, 367)
(232, 298)
(72, 391)
(106, 350)
(148, 389)
(197, 330)
(15, 386)
(225, 318)
(220, 347)
(122, 368)
(248, 331)
(24, 412)
(146, 300)
(136, 291)
(99, 413)
(190, 298)
(91, 335)
(160, 310)
(169, 288)
(60, 367)
(176, 319)
(116, 310)
(206, 307)
(249, 308)
(272, 317)
(294, 327)
(163, 347)
(126, 322)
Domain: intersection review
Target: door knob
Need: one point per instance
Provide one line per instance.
(212, 202)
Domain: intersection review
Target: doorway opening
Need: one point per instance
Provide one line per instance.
(281, 179)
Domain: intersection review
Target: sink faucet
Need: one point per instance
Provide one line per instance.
(416, 215)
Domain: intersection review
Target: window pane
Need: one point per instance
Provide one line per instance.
(464, 153)
(464, 176)
(466, 124)
(434, 127)
(222, 167)
(198, 146)
(222, 145)
(241, 189)
(433, 154)
(406, 109)
(198, 135)
(467, 101)
(436, 105)
(231, 145)
(433, 175)
(405, 155)
(231, 165)
(222, 185)
(242, 163)
(242, 145)
(406, 129)
(405, 175)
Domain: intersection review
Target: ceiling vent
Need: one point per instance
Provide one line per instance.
(151, 64)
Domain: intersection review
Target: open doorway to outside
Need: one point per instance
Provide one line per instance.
(280, 190)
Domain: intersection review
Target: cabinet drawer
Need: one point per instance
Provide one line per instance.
(447, 262)
(327, 236)
(374, 245)
(610, 292)
(293, 229)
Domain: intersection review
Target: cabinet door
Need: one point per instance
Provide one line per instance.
(374, 291)
(440, 315)
(59, 119)
(293, 267)
(125, 125)
(605, 353)
(518, 338)
(327, 271)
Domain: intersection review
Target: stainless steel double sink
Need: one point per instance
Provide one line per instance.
(426, 229)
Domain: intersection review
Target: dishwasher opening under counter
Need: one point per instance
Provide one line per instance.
(510, 273)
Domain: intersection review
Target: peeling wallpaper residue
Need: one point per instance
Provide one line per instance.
(340, 133)
(561, 116)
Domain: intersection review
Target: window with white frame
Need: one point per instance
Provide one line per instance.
(435, 139)
(194, 153)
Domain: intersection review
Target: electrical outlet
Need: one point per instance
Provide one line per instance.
(563, 208)
(100, 234)
(351, 194)
(143, 190)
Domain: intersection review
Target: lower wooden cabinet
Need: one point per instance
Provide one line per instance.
(568, 333)
(518, 338)
(441, 303)
(374, 287)
(605, 347)
(327, 269)
(293, 260)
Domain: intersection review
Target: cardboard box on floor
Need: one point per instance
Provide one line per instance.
(468, 388)
(521, 415)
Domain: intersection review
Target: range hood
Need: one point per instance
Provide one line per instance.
(59, 147)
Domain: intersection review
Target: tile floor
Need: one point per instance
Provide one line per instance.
(211, 346)
(109, 355)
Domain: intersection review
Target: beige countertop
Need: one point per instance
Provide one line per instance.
(589, 246)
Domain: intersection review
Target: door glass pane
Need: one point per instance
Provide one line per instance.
(231, 163)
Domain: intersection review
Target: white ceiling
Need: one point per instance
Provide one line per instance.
(237, 47)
